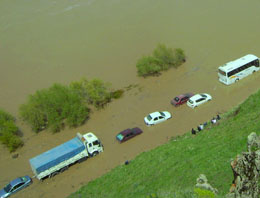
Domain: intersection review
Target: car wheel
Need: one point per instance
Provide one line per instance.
(253, 71)
(237, 80)
(94, 154)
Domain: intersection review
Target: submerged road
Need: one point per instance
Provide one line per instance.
(150, 95)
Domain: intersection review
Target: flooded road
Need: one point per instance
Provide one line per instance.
(55, 41)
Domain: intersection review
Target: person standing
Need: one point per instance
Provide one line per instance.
(201, 127)
(193, 132)
(213, 121)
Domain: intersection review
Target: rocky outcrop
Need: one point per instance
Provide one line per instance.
(202, 182)
(246, 170)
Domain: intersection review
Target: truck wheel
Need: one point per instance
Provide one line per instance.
(94, 154)
(53, 174)
(63, 169)
(82, 159)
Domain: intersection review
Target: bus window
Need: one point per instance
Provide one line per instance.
(231, 73)
(240, 69)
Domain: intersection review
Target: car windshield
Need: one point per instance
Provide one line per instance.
(120, 137)
(190, 101)
(23, 179)
(7, 188)
(162, 114)
(176, 99)
(203, 95)
(221, 72)
(149, 117)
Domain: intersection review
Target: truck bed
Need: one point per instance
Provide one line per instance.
(56, 155)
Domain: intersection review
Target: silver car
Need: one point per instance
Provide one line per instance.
(15, 185)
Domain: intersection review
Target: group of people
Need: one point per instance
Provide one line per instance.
(202, 126)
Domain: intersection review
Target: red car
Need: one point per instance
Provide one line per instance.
(179, 100)
(128, 134)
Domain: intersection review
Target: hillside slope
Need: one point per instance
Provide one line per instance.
(171, 170)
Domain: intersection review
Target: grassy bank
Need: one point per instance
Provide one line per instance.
(171, 170)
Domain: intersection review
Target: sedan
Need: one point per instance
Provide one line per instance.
(181, 99)
(128, 134)
(15, 185)
(198, 99)
(157, 117)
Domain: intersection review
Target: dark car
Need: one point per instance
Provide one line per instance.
(128, 134)
(15, 185)
(179, 100)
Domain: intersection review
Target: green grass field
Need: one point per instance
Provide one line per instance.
(171, 169)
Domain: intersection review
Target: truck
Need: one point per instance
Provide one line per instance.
(58, 159)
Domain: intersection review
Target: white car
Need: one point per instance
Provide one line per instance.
(198, 99)
(157, 117)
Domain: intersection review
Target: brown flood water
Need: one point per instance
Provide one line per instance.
(43, 42)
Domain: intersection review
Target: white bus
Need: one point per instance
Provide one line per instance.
(235, 70)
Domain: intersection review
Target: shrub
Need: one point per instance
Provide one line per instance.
(80, 87)
(162, 59)
(54, 107)
(148, 65)
(4, 116)
(8, 131)
(94, 92)
(179, 57)
(117, 94)
(11, 140)
(98, 93)
(165, 56)
(33, 114)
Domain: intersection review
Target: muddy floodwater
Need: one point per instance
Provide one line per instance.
(46, 42)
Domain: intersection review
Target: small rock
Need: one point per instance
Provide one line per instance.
(253, 142)
(202, 182)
